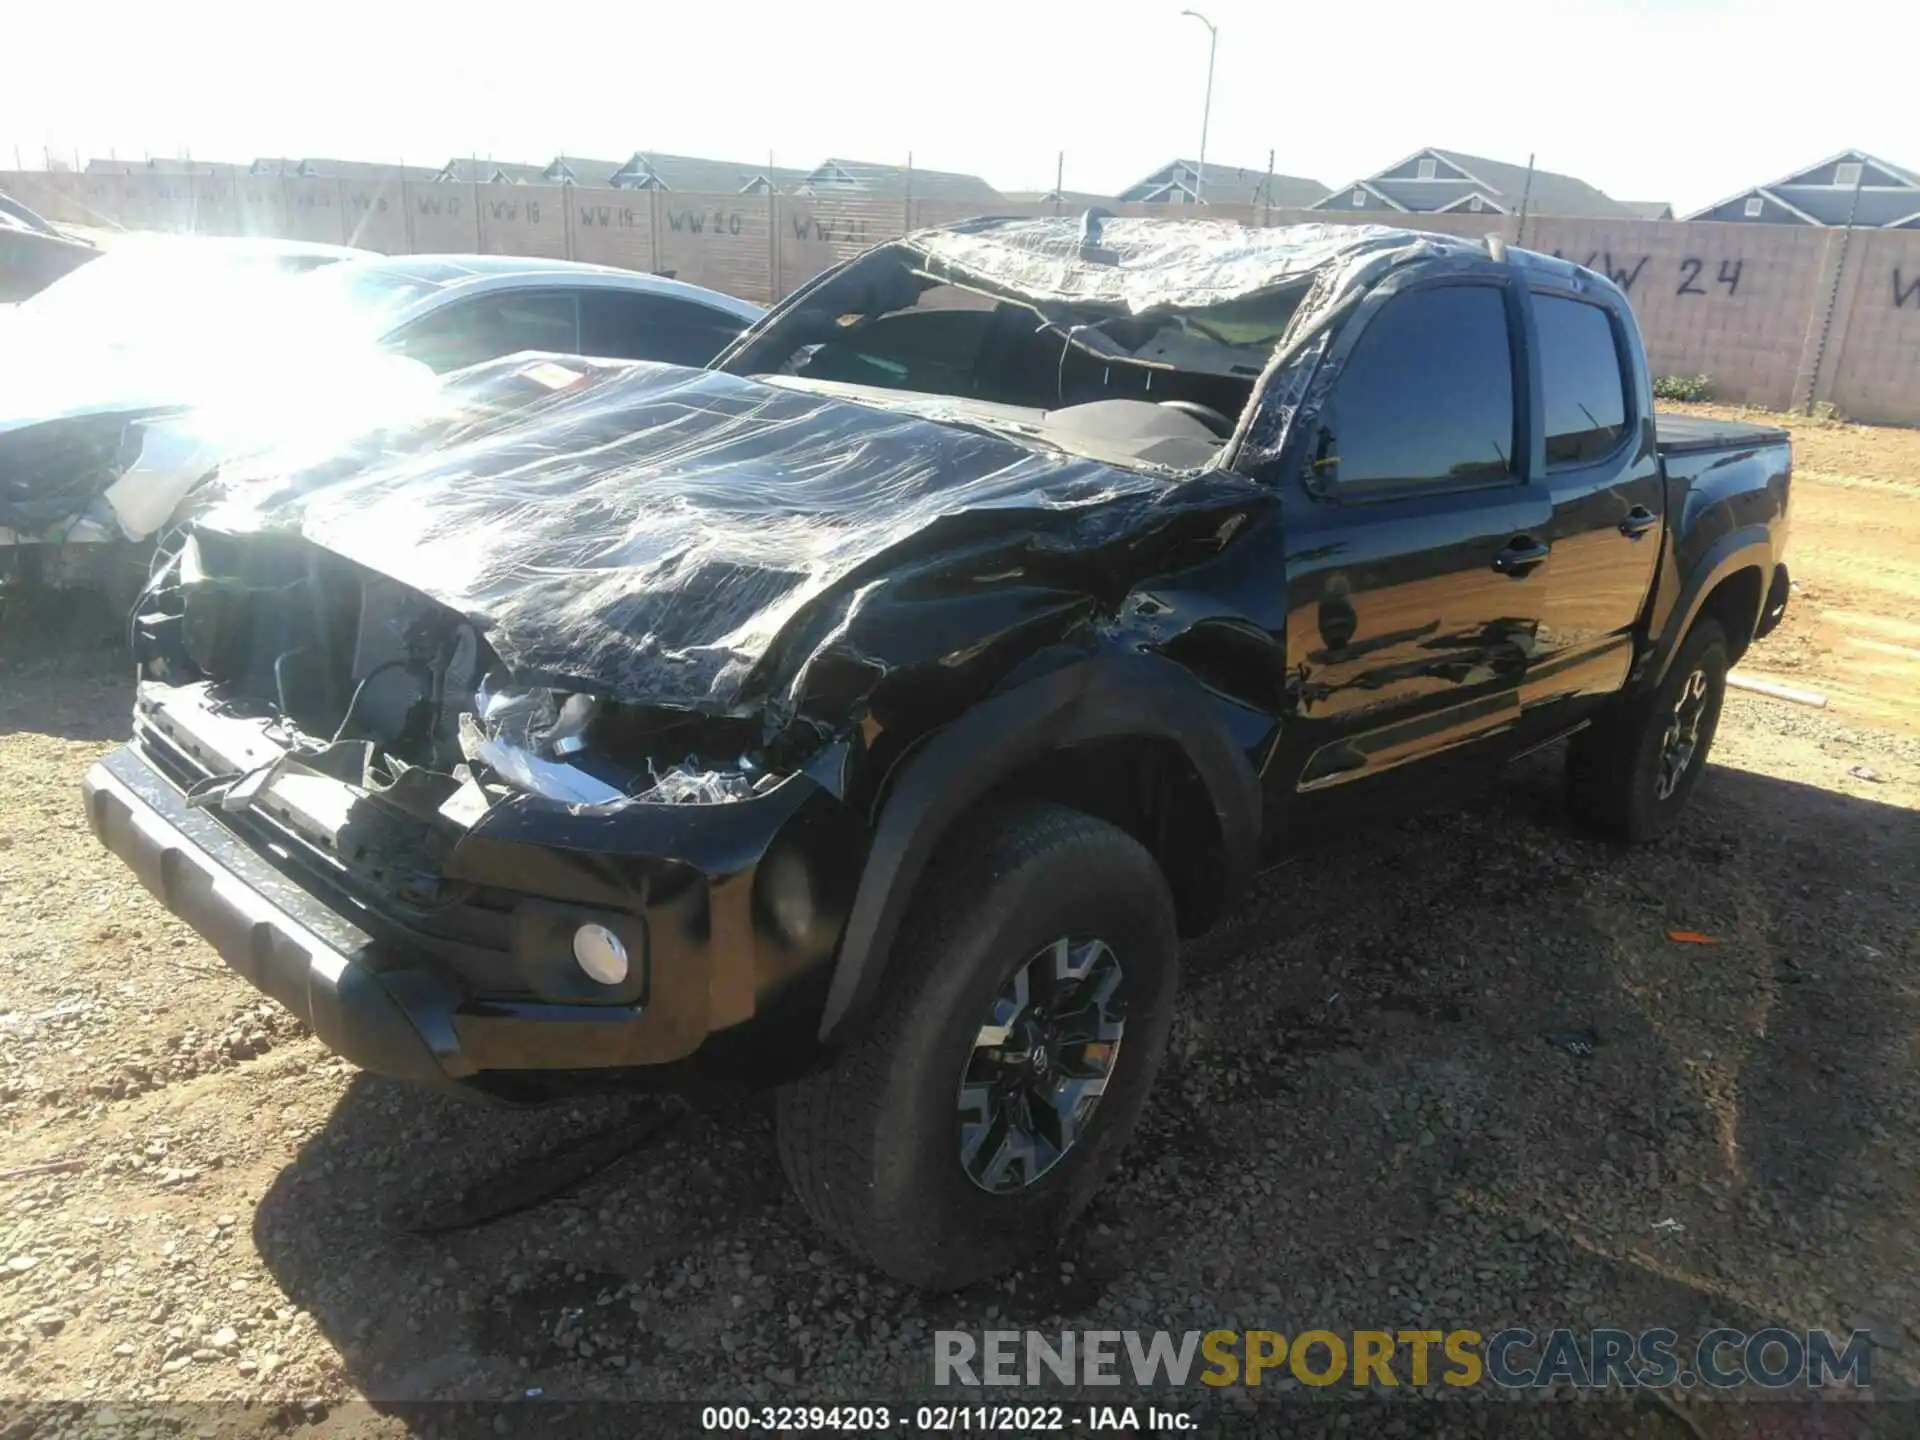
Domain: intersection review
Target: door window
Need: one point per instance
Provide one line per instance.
(1586, 395)
(489, 326)
(1425, 397)
(626, 326)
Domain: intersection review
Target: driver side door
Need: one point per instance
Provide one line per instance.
(1416, 545)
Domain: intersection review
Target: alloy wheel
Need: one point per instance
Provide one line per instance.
(1681, 742)
(1040, 1062)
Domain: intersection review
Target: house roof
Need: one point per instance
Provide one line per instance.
(1832, 205)
(698, 175)
(1823, 204)
(1650, 209)
(1899, 172)
(463, 167)
(1546, 192)
(161, 165)
(581, 171)
(874, 179)
(322, 168)
(1226, 184)
(1070, 199)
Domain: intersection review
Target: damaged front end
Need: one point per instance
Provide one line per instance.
(549, 880)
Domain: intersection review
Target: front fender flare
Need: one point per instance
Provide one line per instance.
(1105, 698)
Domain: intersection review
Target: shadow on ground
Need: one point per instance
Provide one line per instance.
(1372, 1111)
(64, 668)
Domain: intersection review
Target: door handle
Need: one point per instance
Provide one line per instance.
(1519, 555)
(1639, 520)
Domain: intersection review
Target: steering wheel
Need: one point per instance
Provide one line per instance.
(1219, 424)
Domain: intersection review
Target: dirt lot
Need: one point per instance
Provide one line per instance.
(1370, 1116)
(1853, 631)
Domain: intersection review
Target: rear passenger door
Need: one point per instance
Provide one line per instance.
(1602, 471)
(627, 325)
(1415, 543)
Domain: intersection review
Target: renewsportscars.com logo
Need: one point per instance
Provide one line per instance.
(1513, 1359)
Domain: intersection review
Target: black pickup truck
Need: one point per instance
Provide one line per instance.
(872, 712)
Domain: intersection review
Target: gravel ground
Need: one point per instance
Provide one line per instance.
(1369, 1118)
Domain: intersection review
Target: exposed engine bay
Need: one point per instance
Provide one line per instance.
(269, 660)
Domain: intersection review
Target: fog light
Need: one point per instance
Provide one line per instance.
(600, 954)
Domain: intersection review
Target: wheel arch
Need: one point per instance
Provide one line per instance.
(1729, 583)
(1083, 736)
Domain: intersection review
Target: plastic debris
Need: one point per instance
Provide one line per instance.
(1668, 1226)
(1578, 1043)
(685, 785)
(527, 771)
(1691, 937)
(1867, 772)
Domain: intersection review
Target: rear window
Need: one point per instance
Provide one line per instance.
(1586, 396)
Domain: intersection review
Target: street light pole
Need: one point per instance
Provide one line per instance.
(1213, 40)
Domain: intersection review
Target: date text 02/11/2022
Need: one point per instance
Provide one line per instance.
(946, 1419)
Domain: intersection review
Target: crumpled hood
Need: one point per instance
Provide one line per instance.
(709, 542)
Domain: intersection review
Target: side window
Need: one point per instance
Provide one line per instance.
(1586, 396)
(489, 326)
(1426, 395)
(623, 325)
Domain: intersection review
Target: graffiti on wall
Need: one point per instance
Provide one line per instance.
(618, 217)
(705, 222)
(1695, 275)
(841, 229)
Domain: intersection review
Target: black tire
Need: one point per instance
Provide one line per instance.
(872, 1145)
(1618, 778)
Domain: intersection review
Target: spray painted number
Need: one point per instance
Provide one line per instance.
(1616, 272)
(1691, 268)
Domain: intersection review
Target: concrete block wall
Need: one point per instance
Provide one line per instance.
(1746, 305)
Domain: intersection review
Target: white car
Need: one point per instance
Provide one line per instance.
(124, 385)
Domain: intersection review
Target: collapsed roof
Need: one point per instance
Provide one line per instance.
(1141, 265)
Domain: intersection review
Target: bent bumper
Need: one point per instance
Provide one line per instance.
(718, 964)
(285, 943)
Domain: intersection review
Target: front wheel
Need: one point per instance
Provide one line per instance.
(1018, 1032)
(1631, 771)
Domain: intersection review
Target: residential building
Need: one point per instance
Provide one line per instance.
(468, 170)
(864, 178)
(687, 174)
(161, 165)
(323, 169)
(1179, 182)
(1887, 198)
(1072, 200)
(1440, 182)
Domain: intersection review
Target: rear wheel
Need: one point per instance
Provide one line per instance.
(1017, 1035)
(1630, 773)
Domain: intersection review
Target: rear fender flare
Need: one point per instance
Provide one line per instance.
(1750, 547)
(937, 783)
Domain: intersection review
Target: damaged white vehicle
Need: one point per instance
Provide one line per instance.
(127, 385)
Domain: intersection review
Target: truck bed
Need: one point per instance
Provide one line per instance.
(1678, 434)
